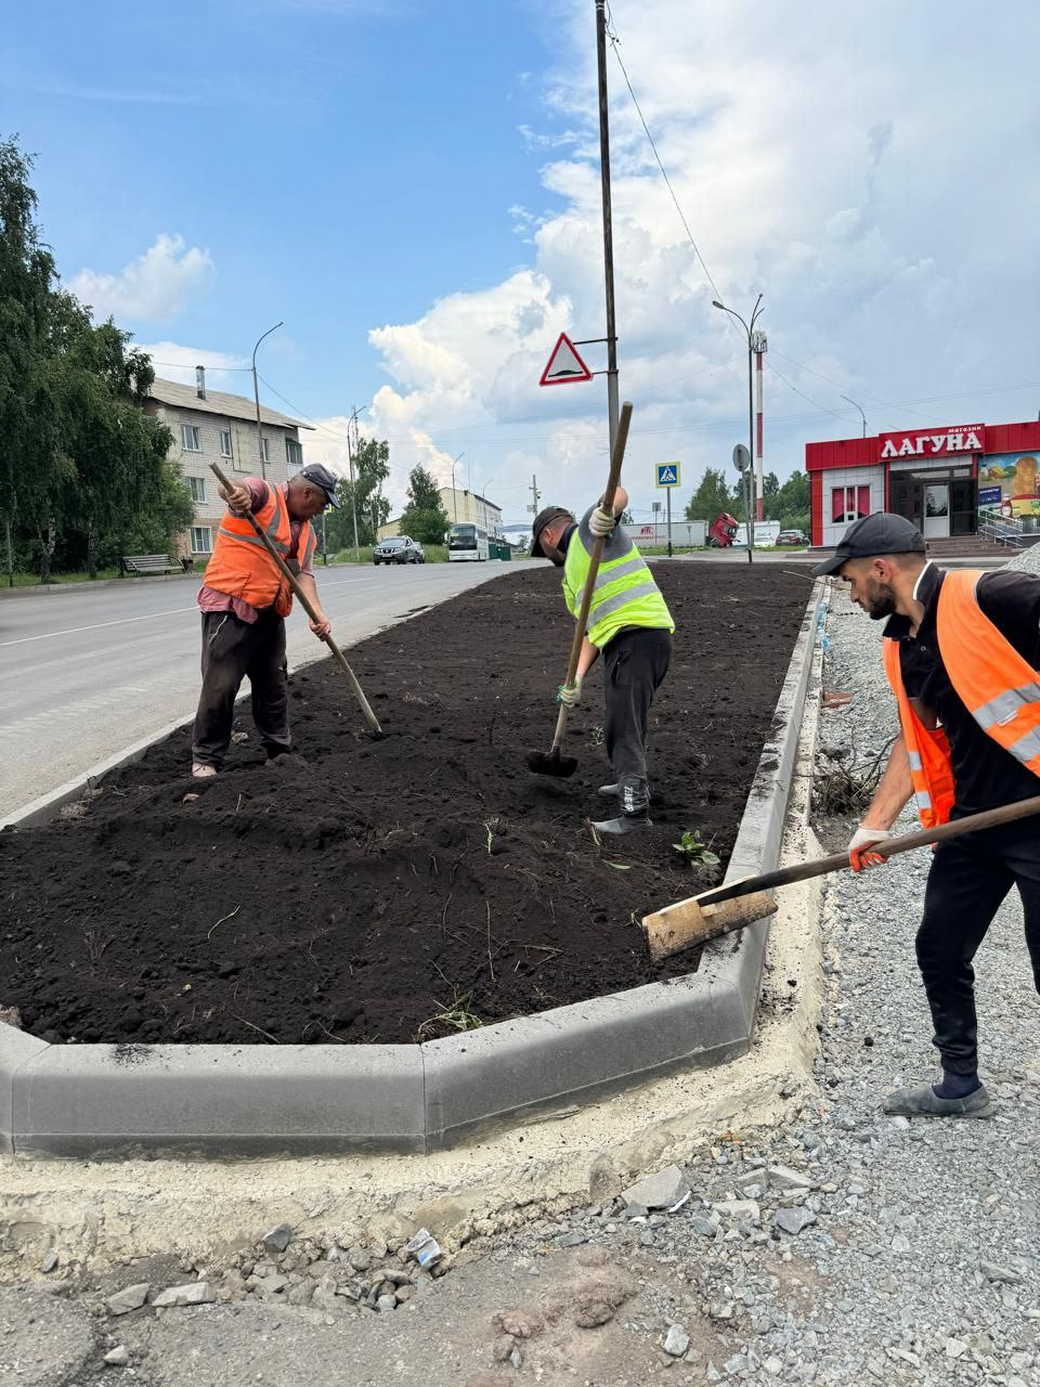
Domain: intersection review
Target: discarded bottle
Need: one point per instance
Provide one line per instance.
(424, 1248)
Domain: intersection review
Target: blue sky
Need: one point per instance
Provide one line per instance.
(414, 190)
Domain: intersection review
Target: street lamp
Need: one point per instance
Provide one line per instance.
(861, 414)
(749, 329)
(454, 493)
(256, 397)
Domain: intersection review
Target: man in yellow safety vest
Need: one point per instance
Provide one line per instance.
(630, 623)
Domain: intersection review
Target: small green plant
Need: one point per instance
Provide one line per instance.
(696, 853)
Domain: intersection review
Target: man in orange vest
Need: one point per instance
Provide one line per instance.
(961, 652)
(244, 601)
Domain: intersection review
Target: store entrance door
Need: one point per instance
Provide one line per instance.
(905, 497)
(937, 510)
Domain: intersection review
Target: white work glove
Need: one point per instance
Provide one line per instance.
(569, 695)
(862, 841)
(601, 522)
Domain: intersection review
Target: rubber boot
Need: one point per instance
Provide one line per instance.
(635, 807)
(923, 1102)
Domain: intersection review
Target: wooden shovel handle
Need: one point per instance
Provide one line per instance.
(307, 605)
(922, 838)
(617, 457)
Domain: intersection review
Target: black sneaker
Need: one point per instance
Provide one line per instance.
(923, 1102)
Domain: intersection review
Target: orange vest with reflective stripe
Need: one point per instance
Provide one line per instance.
(998, 687)
(242, 567)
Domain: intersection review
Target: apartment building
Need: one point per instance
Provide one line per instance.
(462, 508)
(210, 425)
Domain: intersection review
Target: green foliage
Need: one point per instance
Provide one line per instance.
(790, 503)
(423, 518)
(81, 462)
(371, 469)
(692, 850)
(711, 497)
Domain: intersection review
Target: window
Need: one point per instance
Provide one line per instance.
(293, 453)
(190, 441)
(849, 503)
(201, 539)
(225, 444)
(197, 486)
(265, 449)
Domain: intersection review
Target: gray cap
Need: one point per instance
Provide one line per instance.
(881, 533)
(540, 521)
(323, 479)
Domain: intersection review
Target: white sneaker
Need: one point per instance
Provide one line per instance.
(200, 771)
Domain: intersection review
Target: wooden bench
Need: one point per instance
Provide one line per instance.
(151, 563)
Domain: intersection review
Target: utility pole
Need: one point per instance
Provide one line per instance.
(608, 232)
(861, 414)
(256, 397)
(536, 495)
(758, 347)
(454, 493)
(749, 329)
(351, 446)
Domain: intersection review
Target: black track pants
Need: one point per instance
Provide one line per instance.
(969, 879)
(634, 664)
(231, 651)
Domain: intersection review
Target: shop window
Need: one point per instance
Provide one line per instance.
(849, 503)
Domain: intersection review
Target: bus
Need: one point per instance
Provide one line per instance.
(466, 542)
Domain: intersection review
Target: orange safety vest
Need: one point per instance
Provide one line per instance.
(998, 687)
(241, 566)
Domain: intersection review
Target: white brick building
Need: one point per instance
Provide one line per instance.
(209, 425)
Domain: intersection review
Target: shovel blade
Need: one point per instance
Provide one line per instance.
(552, 763)
(689, 924)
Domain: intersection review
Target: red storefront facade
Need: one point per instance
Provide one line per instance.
(949, 481)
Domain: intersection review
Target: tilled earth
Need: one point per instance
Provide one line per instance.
(388, 891)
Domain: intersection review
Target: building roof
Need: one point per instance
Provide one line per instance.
(169, 392)
(463, 491)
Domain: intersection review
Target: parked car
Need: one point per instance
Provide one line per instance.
(793, 538)
(398, 549)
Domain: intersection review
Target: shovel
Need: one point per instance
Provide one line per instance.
(688, 924)
(305, 603)
(553, 762)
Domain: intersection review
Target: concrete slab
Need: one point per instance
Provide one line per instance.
(221, 1100)
(16, 1050)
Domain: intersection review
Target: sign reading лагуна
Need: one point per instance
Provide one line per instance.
(666, 473)
(929, 443)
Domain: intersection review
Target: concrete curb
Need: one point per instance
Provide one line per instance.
(225, 1100)
(49, 589)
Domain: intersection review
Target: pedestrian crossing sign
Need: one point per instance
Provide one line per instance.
(667, 473)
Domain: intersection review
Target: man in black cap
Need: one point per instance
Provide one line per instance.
(630, 623)
(244, 602)
(961, 653)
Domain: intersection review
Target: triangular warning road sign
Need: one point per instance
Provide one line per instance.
(565, 365)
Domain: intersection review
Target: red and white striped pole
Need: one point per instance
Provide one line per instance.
(758, 346)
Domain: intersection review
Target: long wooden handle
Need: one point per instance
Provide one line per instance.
(890, 847)
(307, 605)
(617, 457)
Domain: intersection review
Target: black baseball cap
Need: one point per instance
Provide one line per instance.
(881, 533)
(323, 479)
(543, 518)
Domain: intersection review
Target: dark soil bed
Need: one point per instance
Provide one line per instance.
(366, 891)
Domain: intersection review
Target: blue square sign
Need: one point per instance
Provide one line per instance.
(667, 473)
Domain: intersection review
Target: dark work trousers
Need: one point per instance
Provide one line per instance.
(634, 664)
(968, 880)
(231, 651)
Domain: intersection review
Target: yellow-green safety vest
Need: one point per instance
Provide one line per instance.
(625, 593)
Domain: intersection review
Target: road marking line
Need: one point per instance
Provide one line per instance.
(97, 625)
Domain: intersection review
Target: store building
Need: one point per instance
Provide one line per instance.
(949, 481)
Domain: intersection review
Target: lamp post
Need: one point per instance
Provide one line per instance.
(454, 493)
(256, 397)
(861, 414)
(749, 329)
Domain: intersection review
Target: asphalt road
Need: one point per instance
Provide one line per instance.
(85, 673)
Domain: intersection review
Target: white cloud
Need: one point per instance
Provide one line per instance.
(172, 361)
(862, 165)
(153, 288)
